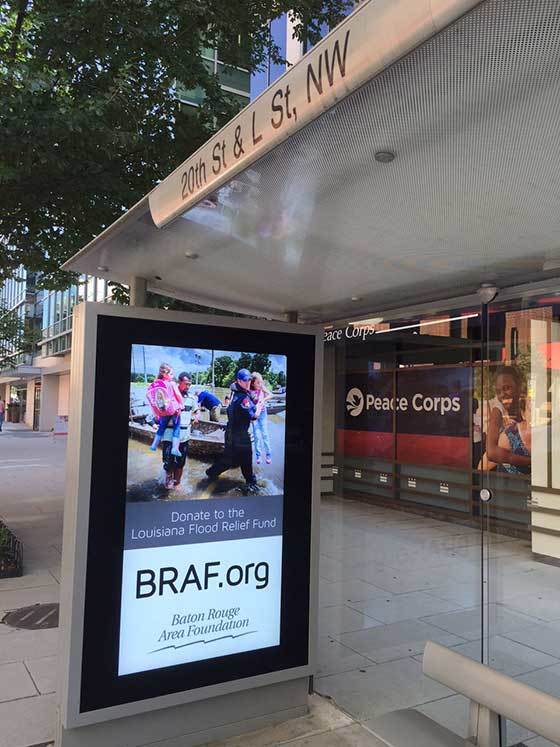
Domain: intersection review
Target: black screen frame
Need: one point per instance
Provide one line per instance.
(101, 687)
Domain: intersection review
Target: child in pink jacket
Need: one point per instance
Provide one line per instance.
(166, 402)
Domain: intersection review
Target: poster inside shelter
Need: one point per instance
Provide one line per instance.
(202, 558)
(413, 415)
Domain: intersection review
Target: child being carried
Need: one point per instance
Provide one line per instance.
(166, 402)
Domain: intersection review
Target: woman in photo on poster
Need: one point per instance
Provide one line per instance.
(508, 447)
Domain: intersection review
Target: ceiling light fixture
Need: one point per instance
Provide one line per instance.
(191, 255)
(384, 156)
(356, 298)
(102, 268)
(487, 292)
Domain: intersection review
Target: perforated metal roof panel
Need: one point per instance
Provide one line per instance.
(471, 196)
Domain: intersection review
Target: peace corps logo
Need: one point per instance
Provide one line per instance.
(355, 402)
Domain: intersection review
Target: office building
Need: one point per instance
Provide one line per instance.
(36, 383)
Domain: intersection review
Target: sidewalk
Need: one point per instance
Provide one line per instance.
(31, 504)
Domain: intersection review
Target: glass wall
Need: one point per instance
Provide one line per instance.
(405, 403)
(233, 80)
(57, 312)
(14, 290)
(429, 408)
(17, 295)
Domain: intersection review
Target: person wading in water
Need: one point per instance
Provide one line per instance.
(238, 451)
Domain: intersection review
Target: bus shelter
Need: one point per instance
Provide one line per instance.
(411, 157)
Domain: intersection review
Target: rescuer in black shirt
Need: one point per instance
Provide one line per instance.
(238, 451)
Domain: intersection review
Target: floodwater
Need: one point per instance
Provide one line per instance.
(145, 472)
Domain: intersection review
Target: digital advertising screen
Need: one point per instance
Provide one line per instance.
(202, 562)
(200, 511)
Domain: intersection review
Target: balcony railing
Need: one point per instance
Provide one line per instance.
(19, 359)
(58, 328)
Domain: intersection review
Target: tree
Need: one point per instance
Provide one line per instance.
(245, 360)
(261, 362)
(90, 119)
(224, 370)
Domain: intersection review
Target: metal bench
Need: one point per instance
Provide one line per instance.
(492, 695)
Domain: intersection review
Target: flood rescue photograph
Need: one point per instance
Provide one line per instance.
(205, 423)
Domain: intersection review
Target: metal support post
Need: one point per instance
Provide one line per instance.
(485, 726)
(138, 291)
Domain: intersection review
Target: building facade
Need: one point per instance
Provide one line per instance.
(234, 80)
(36, 385)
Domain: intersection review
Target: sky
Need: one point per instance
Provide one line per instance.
(186, 359)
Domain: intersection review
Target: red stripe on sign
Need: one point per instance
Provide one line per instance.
(445, 451)
(365, 443)
(441, 451)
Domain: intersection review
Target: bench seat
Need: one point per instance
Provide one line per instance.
(409, 728)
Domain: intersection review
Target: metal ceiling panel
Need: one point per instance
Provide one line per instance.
(471, 196)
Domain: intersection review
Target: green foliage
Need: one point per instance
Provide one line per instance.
(5, 539)
(245, 360)
(224, 370)
(138, 378)
(7, 557)
(90, 120)
(261, 363)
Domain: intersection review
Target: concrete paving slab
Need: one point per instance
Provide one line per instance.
(323, 717)
(539, 742)
(333, 657)
(381, 689)
(27, 581)
(343, 619)
(349, 736)
(334, 570)
(13, 599)
(415, 578)
(466, 623)
(543, 637)
(15, 682)
(44, 673)
(28, 644)
(410, 606)
(27, 722)
(397, 640)
(346, 592)
(465, 595)
(543, 604)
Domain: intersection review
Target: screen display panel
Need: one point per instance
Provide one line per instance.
(202, 562)
(199, 536)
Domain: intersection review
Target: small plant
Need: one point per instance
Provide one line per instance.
(10, 554)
